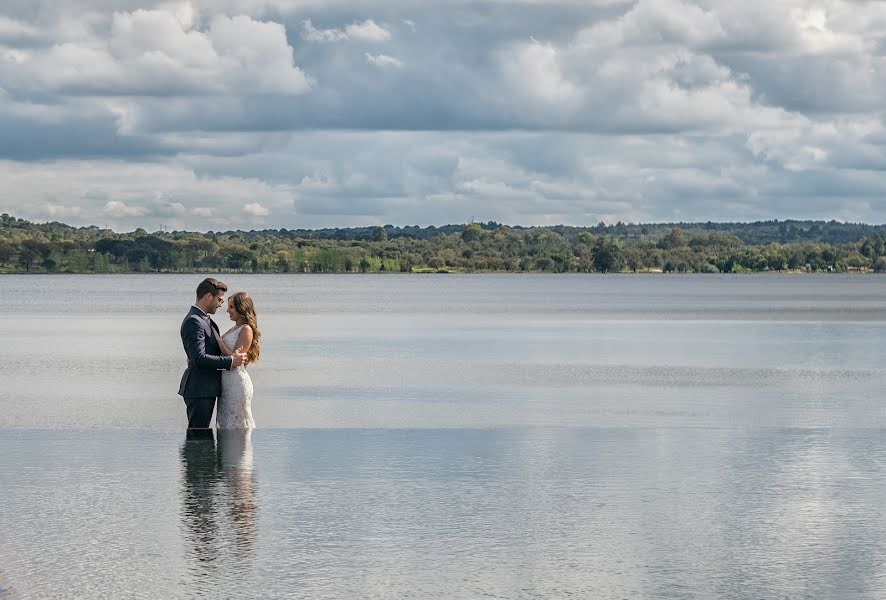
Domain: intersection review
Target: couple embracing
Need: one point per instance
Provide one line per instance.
(216, 370)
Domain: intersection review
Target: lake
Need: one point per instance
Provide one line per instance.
(449, 436)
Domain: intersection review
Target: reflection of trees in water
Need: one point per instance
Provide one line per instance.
(218, 500)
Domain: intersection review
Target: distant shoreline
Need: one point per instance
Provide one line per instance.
(651, 272)
(708, 248)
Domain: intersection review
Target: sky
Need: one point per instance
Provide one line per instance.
(252, 114)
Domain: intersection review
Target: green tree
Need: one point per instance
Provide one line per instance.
(856, 260)
(283, 261)
(607, 256)
(6, 252)
(728, 247)
(472, 232)
(379, 234)
(674, 239)
(27, 258)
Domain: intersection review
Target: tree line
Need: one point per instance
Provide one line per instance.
(814, 246)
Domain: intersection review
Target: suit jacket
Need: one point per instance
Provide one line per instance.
(202, 378)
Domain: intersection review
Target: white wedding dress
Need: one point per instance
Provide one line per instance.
(234, 409)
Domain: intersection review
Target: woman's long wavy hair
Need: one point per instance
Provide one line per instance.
(242, 303)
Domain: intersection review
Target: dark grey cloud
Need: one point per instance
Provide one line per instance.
(817, 84)
(76, 130)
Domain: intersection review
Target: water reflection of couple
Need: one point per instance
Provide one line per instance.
(218, 498)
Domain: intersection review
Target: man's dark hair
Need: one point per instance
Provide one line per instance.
(210, 286)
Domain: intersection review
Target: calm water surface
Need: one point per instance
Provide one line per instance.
(452, 437)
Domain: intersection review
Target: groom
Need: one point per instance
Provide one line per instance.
(201, 382)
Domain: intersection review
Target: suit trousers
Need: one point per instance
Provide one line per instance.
(199, 411)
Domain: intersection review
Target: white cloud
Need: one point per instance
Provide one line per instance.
(843, 143)
(534, 71)
(258, 57)
(757, 25)
(119, 210)
(814, 30)
(312, 34)
(365, 31)
(143, 33)
(656, 22)
(127, 195)
(605, 79)
(184, 12)
(256, 210)
(59, 211)
(383, 60)
(12, 30)
(176, 209)
(157, 52)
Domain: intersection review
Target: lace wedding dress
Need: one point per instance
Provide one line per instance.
(234, 409)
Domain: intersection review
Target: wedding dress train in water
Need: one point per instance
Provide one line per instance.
(234, 409)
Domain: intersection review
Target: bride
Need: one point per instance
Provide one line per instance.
(235, 402)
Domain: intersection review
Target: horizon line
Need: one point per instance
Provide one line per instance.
(165, 230)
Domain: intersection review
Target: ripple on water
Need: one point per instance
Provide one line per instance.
(6, 590)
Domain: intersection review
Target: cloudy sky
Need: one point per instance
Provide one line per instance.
(217, 114)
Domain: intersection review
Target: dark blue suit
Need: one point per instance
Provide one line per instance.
(201, 382)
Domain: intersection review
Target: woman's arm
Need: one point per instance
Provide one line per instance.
(221, 345)
(244, 340)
